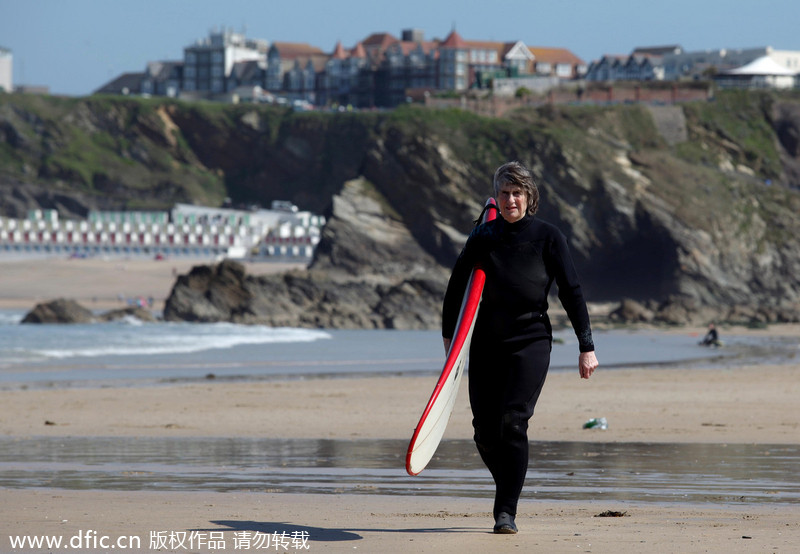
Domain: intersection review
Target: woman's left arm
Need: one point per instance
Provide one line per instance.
(570, 292)
(571, 296)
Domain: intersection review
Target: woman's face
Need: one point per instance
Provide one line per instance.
(513, 202)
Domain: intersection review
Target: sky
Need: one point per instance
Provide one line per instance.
(76, 46)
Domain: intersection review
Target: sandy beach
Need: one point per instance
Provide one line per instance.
(731, 405)
(99, 283)
(751, 405)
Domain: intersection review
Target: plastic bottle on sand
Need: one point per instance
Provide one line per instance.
(596, 423)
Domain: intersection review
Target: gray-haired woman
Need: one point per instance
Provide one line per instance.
(510, 351)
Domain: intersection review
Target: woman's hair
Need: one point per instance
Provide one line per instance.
(514, 173)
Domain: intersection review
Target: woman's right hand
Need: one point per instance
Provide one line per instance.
(446, 344)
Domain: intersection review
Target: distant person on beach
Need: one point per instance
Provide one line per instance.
(511, 343)
(712, 337)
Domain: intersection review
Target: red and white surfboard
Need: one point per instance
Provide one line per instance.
(433, 422)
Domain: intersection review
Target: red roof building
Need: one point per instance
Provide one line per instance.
(377, 71)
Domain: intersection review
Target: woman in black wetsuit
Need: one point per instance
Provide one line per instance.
(510, 351)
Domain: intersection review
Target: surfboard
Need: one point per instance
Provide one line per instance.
(430, 429)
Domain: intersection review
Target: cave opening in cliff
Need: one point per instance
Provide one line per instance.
(642, 266)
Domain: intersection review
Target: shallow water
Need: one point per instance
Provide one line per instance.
(637, 472)
(135, 354)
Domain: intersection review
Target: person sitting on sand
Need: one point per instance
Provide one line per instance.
(712, 337)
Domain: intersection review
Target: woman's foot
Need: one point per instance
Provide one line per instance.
(504, 524)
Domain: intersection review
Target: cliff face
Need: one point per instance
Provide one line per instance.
(691, 210)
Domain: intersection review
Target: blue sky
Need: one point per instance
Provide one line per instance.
(76, 46)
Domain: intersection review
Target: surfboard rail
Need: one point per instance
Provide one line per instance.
(430, 429)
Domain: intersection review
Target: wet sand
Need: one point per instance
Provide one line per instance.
(732, 405)
(753, 405)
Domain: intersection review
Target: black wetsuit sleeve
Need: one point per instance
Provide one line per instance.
(454, 294)
(570, 293)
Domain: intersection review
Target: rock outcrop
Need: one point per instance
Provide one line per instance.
(61, 310)
(208, 294)
(136, 312)
(64, 310)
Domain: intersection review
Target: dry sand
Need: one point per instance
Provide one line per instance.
(99, 283)
(729, 405)
(380, 524)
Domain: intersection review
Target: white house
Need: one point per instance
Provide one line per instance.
(208, 64)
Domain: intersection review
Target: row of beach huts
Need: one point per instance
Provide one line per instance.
(186, 231)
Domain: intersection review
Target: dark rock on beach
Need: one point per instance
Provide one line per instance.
(61, 310)
(631, 311)
(303, 299)
(64, 310)
(137, 312)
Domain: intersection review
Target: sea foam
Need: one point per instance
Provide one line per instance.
(125, 338)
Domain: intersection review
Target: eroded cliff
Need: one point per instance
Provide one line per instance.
(691, 211)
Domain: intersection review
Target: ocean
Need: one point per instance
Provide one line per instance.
(130, 352)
